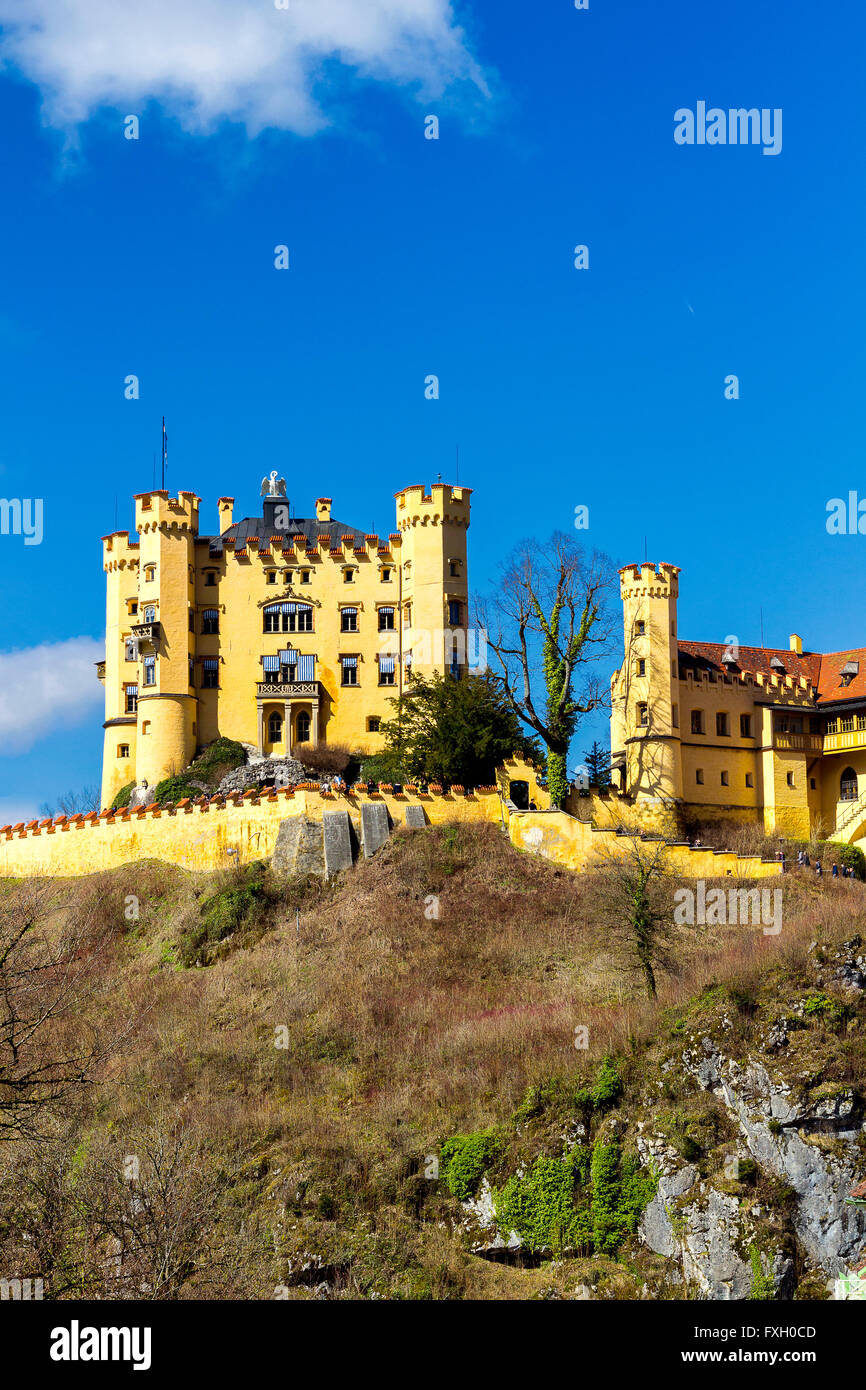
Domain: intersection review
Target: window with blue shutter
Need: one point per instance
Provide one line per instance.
(288, 617)
(349, 666)
(348, 620)
(386, 670)
(131, 699)
(210, 622)
(150, 670)
(386, 619)
(210, 673)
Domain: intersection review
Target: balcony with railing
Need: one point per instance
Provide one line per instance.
(147, 634)
(845, 733)
(288, 690)
(788, 741)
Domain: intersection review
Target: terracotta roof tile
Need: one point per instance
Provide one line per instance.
(707, 656)
(823, 671)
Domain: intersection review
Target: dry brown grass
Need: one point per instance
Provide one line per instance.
(401, 1027)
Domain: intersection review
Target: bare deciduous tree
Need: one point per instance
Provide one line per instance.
(73, 803)
(46, 1046)
(634, 896)
(549, 625)
(152, 1203)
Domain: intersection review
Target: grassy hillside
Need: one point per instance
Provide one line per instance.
(278, 1067)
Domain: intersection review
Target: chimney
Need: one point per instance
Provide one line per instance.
(225, 506)
(276, 513)
(796, 644)
(323, 509)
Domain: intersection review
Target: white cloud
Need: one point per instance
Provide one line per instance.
(45, 688)
(212, 60)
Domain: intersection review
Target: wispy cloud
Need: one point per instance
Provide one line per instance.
(245, 61)
(45, 688)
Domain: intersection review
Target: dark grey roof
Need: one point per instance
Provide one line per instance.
(328, 531)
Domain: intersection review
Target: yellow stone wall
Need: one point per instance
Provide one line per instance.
(200, 838)
(244, 828)
(519, 770)
(576, 845)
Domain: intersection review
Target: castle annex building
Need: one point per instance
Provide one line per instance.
(280, 630)
(752, 733)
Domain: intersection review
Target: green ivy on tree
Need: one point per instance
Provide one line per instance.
(551, 614)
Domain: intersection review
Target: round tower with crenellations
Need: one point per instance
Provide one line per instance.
(645, 725)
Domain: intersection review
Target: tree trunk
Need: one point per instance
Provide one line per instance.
(557, 777)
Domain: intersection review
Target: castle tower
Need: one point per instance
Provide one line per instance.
(166, 726)
(119, 674)
(433, 577)
(645, 732)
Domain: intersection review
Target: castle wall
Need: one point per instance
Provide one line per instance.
(245, 828)
(578, 846)
(239, 830)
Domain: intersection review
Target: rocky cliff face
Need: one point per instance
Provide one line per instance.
(752, 1116)
(796, 1136)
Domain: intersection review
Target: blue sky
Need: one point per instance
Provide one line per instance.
(410, 257)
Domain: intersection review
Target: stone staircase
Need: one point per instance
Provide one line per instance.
(853, 810)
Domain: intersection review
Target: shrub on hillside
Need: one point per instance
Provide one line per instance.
(330, 758)
(173, 789)
(606, 1090)
(541, 1206)
(853, 858)
(464, 1160)
(239, 904)
(218, 759)
(121, 801)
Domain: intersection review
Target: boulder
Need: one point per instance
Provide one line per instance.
(299, 848)
(375, 826)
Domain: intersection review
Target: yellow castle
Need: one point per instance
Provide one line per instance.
(279, 631)
(720, 730)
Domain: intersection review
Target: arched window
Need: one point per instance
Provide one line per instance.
(848, 785)
(303, 727)
(275, 728)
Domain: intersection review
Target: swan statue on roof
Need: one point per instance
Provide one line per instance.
(273, 486)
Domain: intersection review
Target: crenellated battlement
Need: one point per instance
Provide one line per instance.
(648, 580)
(159, 511)
(202, 834)
(119, 552)
(439, 505)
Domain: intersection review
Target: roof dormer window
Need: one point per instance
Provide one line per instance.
(849, 671)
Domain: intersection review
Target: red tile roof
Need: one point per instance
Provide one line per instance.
(821, 670)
